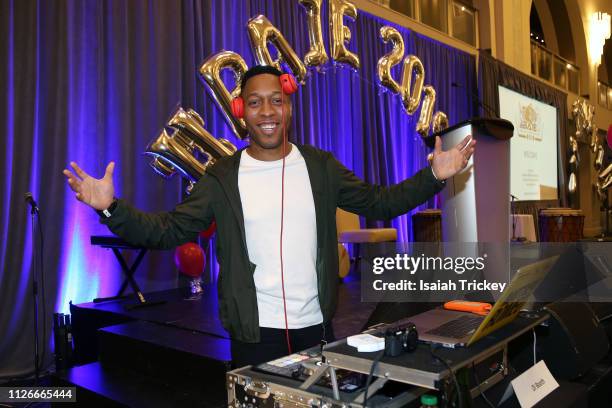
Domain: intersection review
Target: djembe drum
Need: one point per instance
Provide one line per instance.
(427, 226)
(560, 225)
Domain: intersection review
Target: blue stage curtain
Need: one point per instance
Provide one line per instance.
(94, 81)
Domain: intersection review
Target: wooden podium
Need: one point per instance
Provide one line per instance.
(476, 202)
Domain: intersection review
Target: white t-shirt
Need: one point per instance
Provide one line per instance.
(259, 183)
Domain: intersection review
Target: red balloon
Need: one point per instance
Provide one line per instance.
(190, 259)
(208, 232)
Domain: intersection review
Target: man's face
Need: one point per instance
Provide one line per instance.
(263, 111)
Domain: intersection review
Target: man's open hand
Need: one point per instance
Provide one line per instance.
(446, 164)
(97, 193)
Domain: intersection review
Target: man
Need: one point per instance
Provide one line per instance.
(270, 306)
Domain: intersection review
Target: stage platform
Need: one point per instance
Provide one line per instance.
(179, 311)
(175, 352)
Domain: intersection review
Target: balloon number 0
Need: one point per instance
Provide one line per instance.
(410, 89)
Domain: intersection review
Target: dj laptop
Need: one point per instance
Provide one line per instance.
(459, 329)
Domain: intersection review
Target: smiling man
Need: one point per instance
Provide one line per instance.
(274, 295)
(267, 113)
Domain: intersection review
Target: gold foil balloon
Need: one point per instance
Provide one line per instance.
(261, 31)
(439, 121)
(390, 34)
(578, 117)
(210, 72)
(606, 184)
(163, 167)
(426, 111)
(174, 151)
(583, 114)
(339, 34)
(181, 142)
(594, 140)
(600, 191)
(192, 123)
(571, 185)
(411, 97)
(599, 157)
(606, 172)
(316, 56)
(606, 180)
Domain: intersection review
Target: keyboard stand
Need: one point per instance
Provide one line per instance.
(115, 244)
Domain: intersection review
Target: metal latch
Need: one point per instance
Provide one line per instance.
(257, 389)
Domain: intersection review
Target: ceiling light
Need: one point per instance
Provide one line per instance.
(598, 34)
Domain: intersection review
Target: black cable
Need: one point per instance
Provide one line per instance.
(370, 375)
(35, 290)
(478, 386)
(454, 377)
(43, 290)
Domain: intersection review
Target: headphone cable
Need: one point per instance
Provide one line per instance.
(282, 219)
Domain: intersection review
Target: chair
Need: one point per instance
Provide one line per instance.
(350, 232)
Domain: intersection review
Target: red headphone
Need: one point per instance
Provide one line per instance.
(288, 85)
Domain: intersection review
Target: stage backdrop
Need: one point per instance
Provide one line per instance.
(94, 81)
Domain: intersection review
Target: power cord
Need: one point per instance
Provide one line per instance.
(454, 377)
(370, 376)
(43, 290)
(535, 339)
(489, 403)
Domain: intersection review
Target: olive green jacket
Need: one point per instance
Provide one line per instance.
(216, 196)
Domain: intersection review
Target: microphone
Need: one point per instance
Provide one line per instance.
(486, 107)
(30, 200)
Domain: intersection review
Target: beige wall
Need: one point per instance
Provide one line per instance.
(513, 44)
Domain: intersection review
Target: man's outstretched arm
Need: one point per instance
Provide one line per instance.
(378, 202)
(151, 230)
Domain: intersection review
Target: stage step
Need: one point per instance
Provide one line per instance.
(184, 359)
(99, 386)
